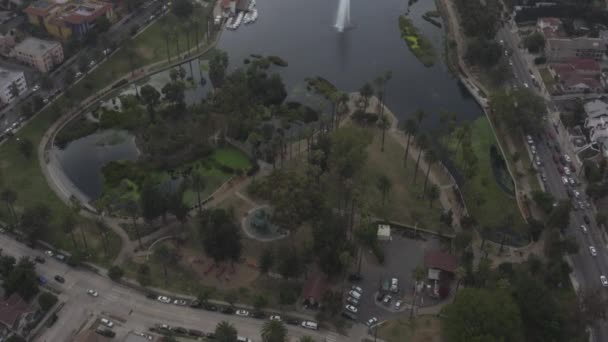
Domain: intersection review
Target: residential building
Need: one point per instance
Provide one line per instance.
(550, 27)
(12, 311)
(578, 75)
(563, 49)
(43, 55)
(62, 20)
(441, 267)
(7, 79)
(597, 123)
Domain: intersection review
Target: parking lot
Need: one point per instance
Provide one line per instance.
(402, 255)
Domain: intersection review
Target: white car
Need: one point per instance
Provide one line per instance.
(567, 171)
(36, 88)
(180, 302)
(398, 304)
(604, 280)
(576, 193)
(275, 318)
(571, 181)
(92, 293)
(565, 180)
(351, 308)
(387, 299)
(91, 64)
(78, 74)
(243, 313)
(592, 251)
(526, 85)
(354, 294)
(357, 288)
(567, 158)
(49, 253)
(46, 100)
(371, 321)
(107, 322)
(584, 229)
(310, 325)
(164, 299)
(533, 149)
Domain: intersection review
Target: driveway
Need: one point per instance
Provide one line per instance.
(402, 255)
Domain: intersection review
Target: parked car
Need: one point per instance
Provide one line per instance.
(593, 251)
(529, 139)
(567, 158)
(227, 310)
(59, 279)
(210, 307)
(243, 313)
(107, 322)
(351, 308)
(292, 321)
(586, 219)
(92, 293)
(310, 325)
(387, 299)
(584, 228)
(103, 331)
(370, 322)
(275, 318)
(39, 260)
(49, 253)
(258, 314)
(565, 180)
(196, 333)
(353, 301)
(394, 285)
(354, 294)
(180, 330)
(567, 171)
(60, 257)
(357, 288)
(180, 302)
(164, 299)
(604, 280)
(398, 304)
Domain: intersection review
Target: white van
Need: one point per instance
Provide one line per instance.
(310, 325)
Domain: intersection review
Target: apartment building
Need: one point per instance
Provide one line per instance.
(8, 78)
(43, 55)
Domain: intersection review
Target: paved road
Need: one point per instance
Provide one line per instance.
(587, 268)
(123, 303)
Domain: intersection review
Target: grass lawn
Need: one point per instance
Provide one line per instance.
(485, 200)
(422, 329)
(232, 158)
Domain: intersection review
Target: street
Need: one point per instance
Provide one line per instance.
(129, 309)
(587, 269)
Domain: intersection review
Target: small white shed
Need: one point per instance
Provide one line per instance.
(384, 232)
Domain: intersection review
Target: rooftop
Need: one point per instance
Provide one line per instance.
(441, 260)
(12, 309)
(596, 108)
(35, 46)
(82, 11)
(40, 7)
(9, 76)
(315, 287)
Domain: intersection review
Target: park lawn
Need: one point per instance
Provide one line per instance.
(421, 329)
(232, 158)
(214, 178)
(404, 203)
(485, 200)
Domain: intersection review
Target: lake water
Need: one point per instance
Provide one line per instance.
(302, 33)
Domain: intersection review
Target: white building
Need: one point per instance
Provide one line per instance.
(7, 79)
(597, 123)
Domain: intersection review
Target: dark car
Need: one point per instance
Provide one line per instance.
(349, 315)
(354, 277)
(195, 304)
(151, 295)
(197, 333)
(59, 279)
(258, 314)
(210, 335)
(105, 332)
(586, 219)
(227, 310)
(292, 321)
(39, 259)
(210, 307)
(180, 330)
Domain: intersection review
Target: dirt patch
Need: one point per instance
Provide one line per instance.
(145, 52)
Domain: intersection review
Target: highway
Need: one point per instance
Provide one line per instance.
(127, 308)
(587, 268)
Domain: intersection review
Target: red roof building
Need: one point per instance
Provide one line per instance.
(441, 261)
(577, 75)
(12, 308)
(314, 288)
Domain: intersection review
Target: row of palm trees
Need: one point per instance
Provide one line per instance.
(272, 331)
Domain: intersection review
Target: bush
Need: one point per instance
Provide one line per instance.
(115, 273)
(46, 301)
(255, 167)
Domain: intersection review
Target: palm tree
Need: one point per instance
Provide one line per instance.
(343, 99)
(421, 141)
(9, 196)
(274, 331)
(384, 185)
(76, 207)
(68, 224)
(103, 231)
(430, 157)
(366, 92)
(410, 128)
(225, 332)
(433, 194)
(133, 209)
(130, 52)
(166, 33)
(420, 115)
(198, 185)
(176, 37)
(418, 274)
(195, 25)
(384, 124)
(167, 257)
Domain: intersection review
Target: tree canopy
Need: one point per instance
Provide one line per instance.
(221, 237)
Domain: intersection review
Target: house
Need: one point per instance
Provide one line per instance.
(597, 123)
(13, 309)
(441, 267)
(314, 289)
(8, 80)
(62, 20)
(550, 27)
(578, 75)
(43, 55)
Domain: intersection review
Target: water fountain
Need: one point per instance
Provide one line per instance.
(343, 15)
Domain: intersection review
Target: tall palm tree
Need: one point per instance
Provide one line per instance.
(68, 225)
(459, 275)
(384, 125)
(198, 185)
(133, 209)
(343, 99)
(176, 37)
(366, 92)
(274, 331)
(384, 186)
(419, 115)
(103, 231)
(196, 26)
(225, 332)
(411, 129)
(430, 157)
(9, 197)
(165, 30)
(421, 142)
(167, 257)
(433, 194)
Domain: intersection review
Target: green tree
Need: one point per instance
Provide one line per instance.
(274, 331)
(225, 332)
(133, 209)
(22, 279)
(35, 220)
(433, 194)
(411, 129)
(560, 215)
(259, 302)
(218, 63)
(115, 273)
(221, 237)
(46, 82)
(13, 89)
(182, 9)
(430, 157)
(26, 147)
(306, 339)
(535, 42)
(47, 300)
(543, 200)
(69, 224)
(144, 275)
(501, 318)
(198, 185)
(290, 265)
(151, 98)
(422, 143)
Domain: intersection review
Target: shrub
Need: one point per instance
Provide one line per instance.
(46, 301)
(115, 273)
